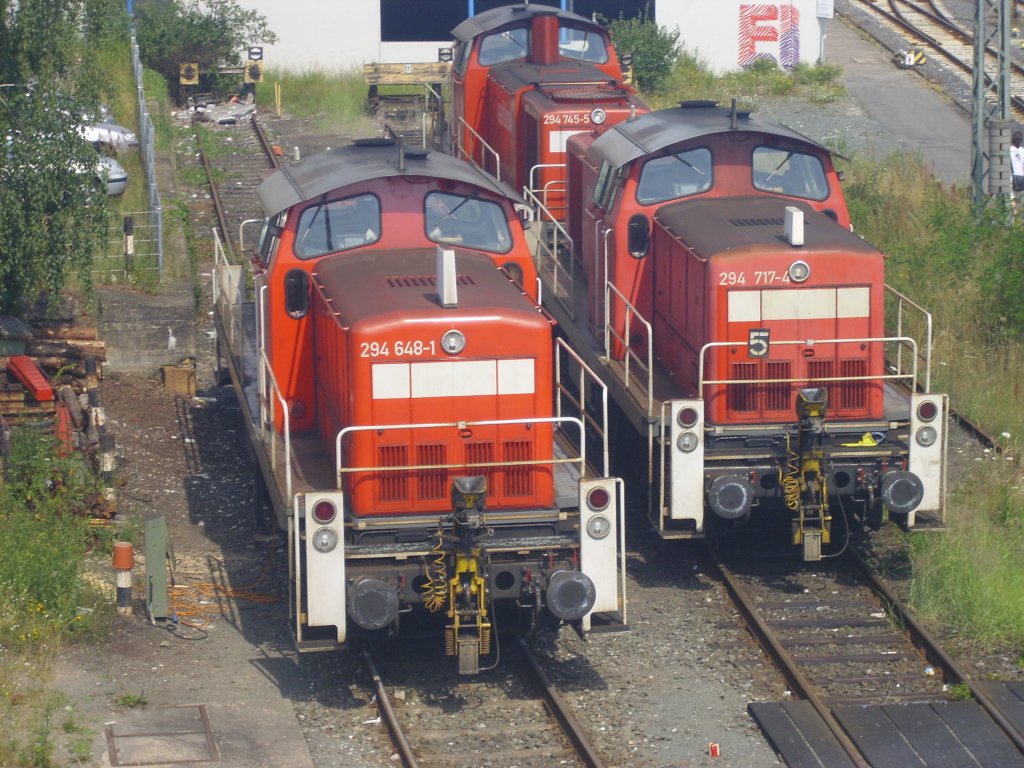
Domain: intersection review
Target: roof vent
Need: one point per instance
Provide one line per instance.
(794, 226)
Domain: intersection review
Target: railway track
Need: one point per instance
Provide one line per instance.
(233, 183)
(844, 642)
(517, 719)
(930, 26)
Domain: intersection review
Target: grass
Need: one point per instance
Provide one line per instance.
(335, 101)
(954, 259)
(44, 504)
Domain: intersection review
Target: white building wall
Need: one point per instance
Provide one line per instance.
(332, 35)
(729, 34)
(337, 35)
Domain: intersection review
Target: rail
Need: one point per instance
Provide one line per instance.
(489, 151)
(586, 374)
(904, 304)
(550, 188)
(229, 297)
(547, 254)
(629, 358)
(341, 470)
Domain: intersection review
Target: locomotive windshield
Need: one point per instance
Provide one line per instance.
(467, 221)
(582, 44)
(337, 225)
(676, 175)
(509, 45)
(573, 43)
(788, 172)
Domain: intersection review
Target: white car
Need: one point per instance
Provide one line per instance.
(108, 134)
(113, 174)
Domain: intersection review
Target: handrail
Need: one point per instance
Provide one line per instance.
(586, 372)
(902, 340)
(241, 234)
(547, 254)
(268, 410)
(549, 186)
(341, 470)
(629, 356)
(905, 301)
(228, 299)
(461, 150)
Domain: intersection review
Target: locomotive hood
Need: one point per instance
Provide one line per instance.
(712, 226)
(403, 284)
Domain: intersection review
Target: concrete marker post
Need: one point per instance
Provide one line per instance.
(124, 561)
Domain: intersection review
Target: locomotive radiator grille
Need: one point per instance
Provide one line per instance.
(481, 453)
(853, 395)
(432, 484)
(393, 485)
(759, 398)
(518, 480)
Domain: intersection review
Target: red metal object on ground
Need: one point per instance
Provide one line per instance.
(28, 373)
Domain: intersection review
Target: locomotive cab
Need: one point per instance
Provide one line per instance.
(340, 202)
(526, 79)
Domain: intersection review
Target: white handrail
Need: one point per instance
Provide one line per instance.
(585, 373)
(925, 317)
(629, 356)
(341, 470)
(461, 150)
(902, 340)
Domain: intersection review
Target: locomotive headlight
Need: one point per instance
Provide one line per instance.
(598, 527)
(926, 436)
(799, 271)
(598, 116)
(453, 342)
(325, 540)
(687, 442)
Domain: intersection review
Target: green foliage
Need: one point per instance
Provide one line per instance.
(131, 700)
(336, 101)
(53, 207)
(654, 49)
(45, 538)
(206, 32)
(691, 79)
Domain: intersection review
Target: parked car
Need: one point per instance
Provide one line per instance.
(113, 174)
(108, 134)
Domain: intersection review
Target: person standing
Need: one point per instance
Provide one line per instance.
(1017, 161)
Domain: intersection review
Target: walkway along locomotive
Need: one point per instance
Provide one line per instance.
(419, 431)
(701, 261)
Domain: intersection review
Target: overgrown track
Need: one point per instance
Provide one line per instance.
(517, 719)
(246, 158)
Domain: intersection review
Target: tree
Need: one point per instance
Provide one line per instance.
(206, 32)
(53, 208)
(654, 49)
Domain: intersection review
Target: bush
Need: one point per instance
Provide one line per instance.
(206, 32)
(654, 49)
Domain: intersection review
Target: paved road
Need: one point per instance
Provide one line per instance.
(916, 114)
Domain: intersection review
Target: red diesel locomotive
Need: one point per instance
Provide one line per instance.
(701, 260)
(418, 428)
(525, 78)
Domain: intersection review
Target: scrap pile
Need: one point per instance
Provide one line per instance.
(49, 379)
